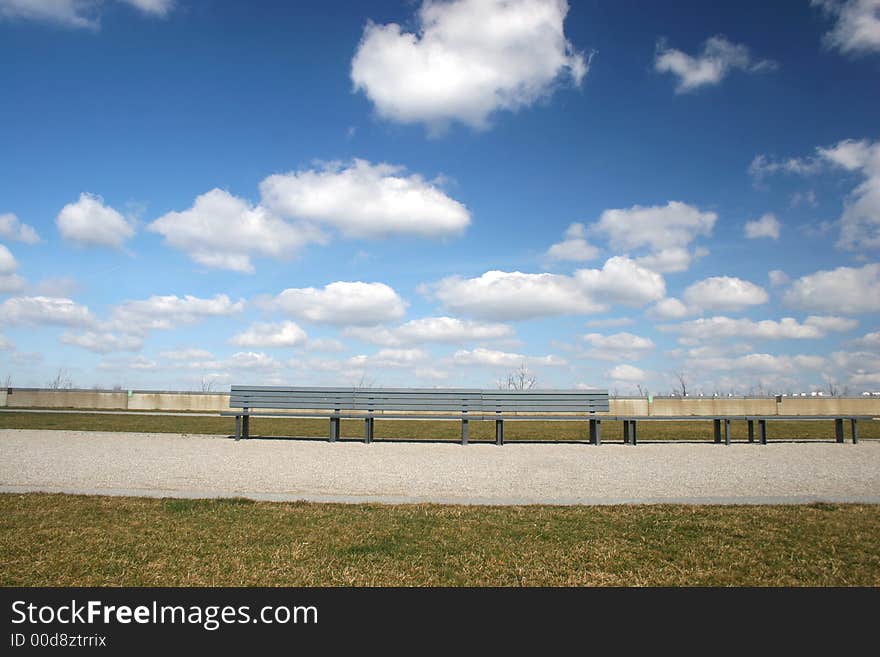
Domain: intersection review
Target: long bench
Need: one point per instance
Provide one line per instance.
(472, 404)
(462, 404)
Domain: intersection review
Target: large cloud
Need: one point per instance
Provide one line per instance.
(846, 290)
(665, 230)
(359, 199)
(718, 58)
(499, 295)
(365, 200)
(465, 60)
(432, 329)
(857, 26)
(90, 222)
(352, 303)
(221, 230)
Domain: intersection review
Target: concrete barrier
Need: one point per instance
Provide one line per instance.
(177, 401)
(829, 406)
(713, 406)
(159, 400)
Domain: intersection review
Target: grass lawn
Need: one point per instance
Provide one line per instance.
(424, 429)
(65, 540)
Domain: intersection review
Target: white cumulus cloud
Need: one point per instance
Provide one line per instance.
(365, 200)
(350, 303)
(724, 293)
(499, 295)
(223, 231)
(626, 373)
(718, 58)
(466, 59)
(9, 280)
(574, 247)
(767, 226)
(665, 230)
(787, 328)
(860, 219)
(432, 330)
(57, 311)
(495, 358)
(845, 290)
(618, 346)
(281, 334)
(75, 13)
(90, 222)
(103, 343)
(11, 228)
(166, 312)
(857, 26)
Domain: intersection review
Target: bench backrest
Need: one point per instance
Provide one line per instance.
(459, 400)
(282, 397)
(545, 401)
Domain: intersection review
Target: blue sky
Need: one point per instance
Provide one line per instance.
(433, 194)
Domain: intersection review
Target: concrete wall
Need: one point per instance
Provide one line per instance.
(145, 400)
(629, 407)
(32, 398)
(830, 406)
(715, 406)
(177, 401)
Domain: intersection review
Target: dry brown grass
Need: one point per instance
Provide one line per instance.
(418, 430)
(59, 540)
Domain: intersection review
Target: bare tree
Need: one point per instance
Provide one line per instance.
(682, 388)
(62, 380)
(643, 390)
(833, 388)
(365, 382)
(207, 383)
(518, 379)
(7, 383)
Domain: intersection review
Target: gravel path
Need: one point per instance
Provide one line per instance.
(172, 465)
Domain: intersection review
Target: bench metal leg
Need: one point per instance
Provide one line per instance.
(334, 429)
(627, 432)
(726, 432)
(595, 432)
(762, 431)
(634, 434)
(464, 431)
(499, 432)
(246, 427)
(238, 427)
(838, 429)
(751, 431)
(368, 430)
(716, 425)
(854, 424)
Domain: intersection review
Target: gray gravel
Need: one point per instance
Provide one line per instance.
(172, 465)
